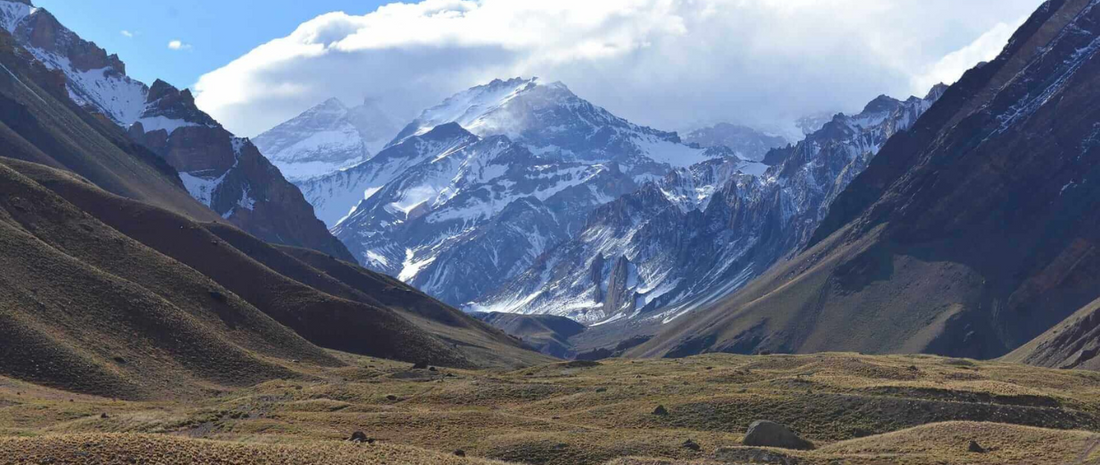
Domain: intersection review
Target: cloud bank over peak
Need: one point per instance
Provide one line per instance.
(666, 63)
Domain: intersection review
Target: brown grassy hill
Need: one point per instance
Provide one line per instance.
(167, 450)
(548, 334)
(479, 342)
(968, 235)
(1073, 343)
(321, 318)
(86, 308)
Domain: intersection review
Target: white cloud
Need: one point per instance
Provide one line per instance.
(667, 63)
(127, 34)
(179, 45)
(985, 48)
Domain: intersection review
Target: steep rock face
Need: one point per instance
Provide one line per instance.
(702, 232)
(336, 196)
(326, 138)
(969, 235)
(467, 213)
(222, 172)
(746, 142)
(228, 174)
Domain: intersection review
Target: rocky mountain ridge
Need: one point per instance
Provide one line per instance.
(225, 173)
(701, 233)
(969, 235)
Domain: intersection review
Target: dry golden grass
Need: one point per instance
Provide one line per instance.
(858, 409)
(167, 450)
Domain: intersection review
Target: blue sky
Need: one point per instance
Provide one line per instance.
(218, 31)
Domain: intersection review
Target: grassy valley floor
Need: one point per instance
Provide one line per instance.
(857, 409)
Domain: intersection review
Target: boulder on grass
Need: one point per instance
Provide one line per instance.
(765, 433)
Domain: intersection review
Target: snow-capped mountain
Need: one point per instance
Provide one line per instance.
(553, 122)
(326, 138)
(549, 120)
(470, 212)
(746, 142)
(701, 232)
(470, 193)
(95, 79)
(224, 172)
(456, 215)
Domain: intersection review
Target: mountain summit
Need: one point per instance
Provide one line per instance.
(326, 138)
(552, 121)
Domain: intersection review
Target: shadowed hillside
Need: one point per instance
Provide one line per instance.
(968, 235)
(323, 310)
(88, 309)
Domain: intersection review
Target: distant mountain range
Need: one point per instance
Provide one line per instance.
(746, 142)
(519, 196)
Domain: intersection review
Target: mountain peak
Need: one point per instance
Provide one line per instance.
(513, 82)
(332, 103)
(881, 104)
(327, 137)
(937, 91)
(446, 131)
(165, 100)
(161, 89)
(468, 107)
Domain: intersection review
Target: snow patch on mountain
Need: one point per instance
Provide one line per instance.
(473, 109)
(202, 188)
(12, 13)
(105, 89)
(156, 123)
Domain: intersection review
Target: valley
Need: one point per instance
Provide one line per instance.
(520, 275)
(854, 408)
